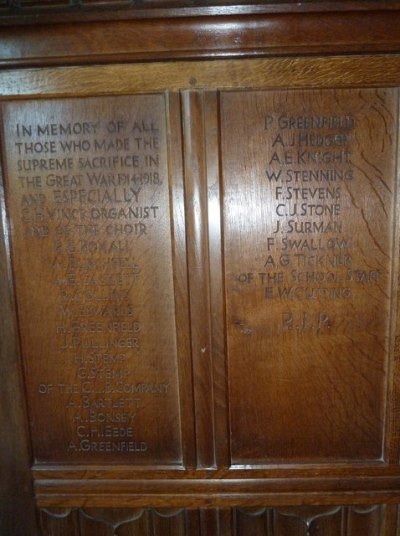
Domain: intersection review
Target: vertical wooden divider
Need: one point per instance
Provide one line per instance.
(216, 283)
(198, 266)
(391, 447)
(175, 172)
(200, 128)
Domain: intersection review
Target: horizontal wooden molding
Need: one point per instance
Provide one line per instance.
(122, 472)
(235, 35)
(37, 12)
(216, 493)
(58, 485)
(383, 70)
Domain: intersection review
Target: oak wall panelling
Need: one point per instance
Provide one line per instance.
(200, 271)
(299, 192)
(303, 521)
(97, 233)
(15, 482)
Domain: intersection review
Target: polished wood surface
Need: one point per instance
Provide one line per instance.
(212, 346)
(238, 36)
(35, 11)
(308, 358)
(308, 238)
(330, 521)
(89, 201)
(354, 71)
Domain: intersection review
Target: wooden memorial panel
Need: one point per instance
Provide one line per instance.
(308, 209)
(87, 188)
(200, 269)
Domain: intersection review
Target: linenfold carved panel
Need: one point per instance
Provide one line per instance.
(310, 521)
(299, 521)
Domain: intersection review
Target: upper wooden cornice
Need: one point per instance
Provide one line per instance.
(65, 32)
(39, 11)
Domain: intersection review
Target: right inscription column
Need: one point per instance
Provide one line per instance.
(308, 180)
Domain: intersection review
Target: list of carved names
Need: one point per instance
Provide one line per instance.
(307, 181)
(91, 203)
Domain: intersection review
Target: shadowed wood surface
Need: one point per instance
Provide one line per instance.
(17, 514)
(24, 11)
(302, 521)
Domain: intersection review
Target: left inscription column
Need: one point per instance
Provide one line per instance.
(87, 192)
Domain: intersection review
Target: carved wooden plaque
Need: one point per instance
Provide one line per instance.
(88, 199)
(308, 180)
(308, 214)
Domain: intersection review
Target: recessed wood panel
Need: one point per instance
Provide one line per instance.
(89, 204)
(308, 180)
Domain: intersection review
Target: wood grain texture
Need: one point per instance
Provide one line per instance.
(194, 154)
(308, 521)
(352, 71)
(194, 135)
(389, 524)
(168, 490)
(103, 370)
(392, 450)
(316, 334)
(17, 514)
(200, 127)
(218, 492)
(217, 315)
(204, 144)
(367, 520)
(301, 521)
(257, 521)
(235, 36)
(180, 273)
(108, 522)
(59, 522)
(37, 11)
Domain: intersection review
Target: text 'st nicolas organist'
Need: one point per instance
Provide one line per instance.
(90, 195)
